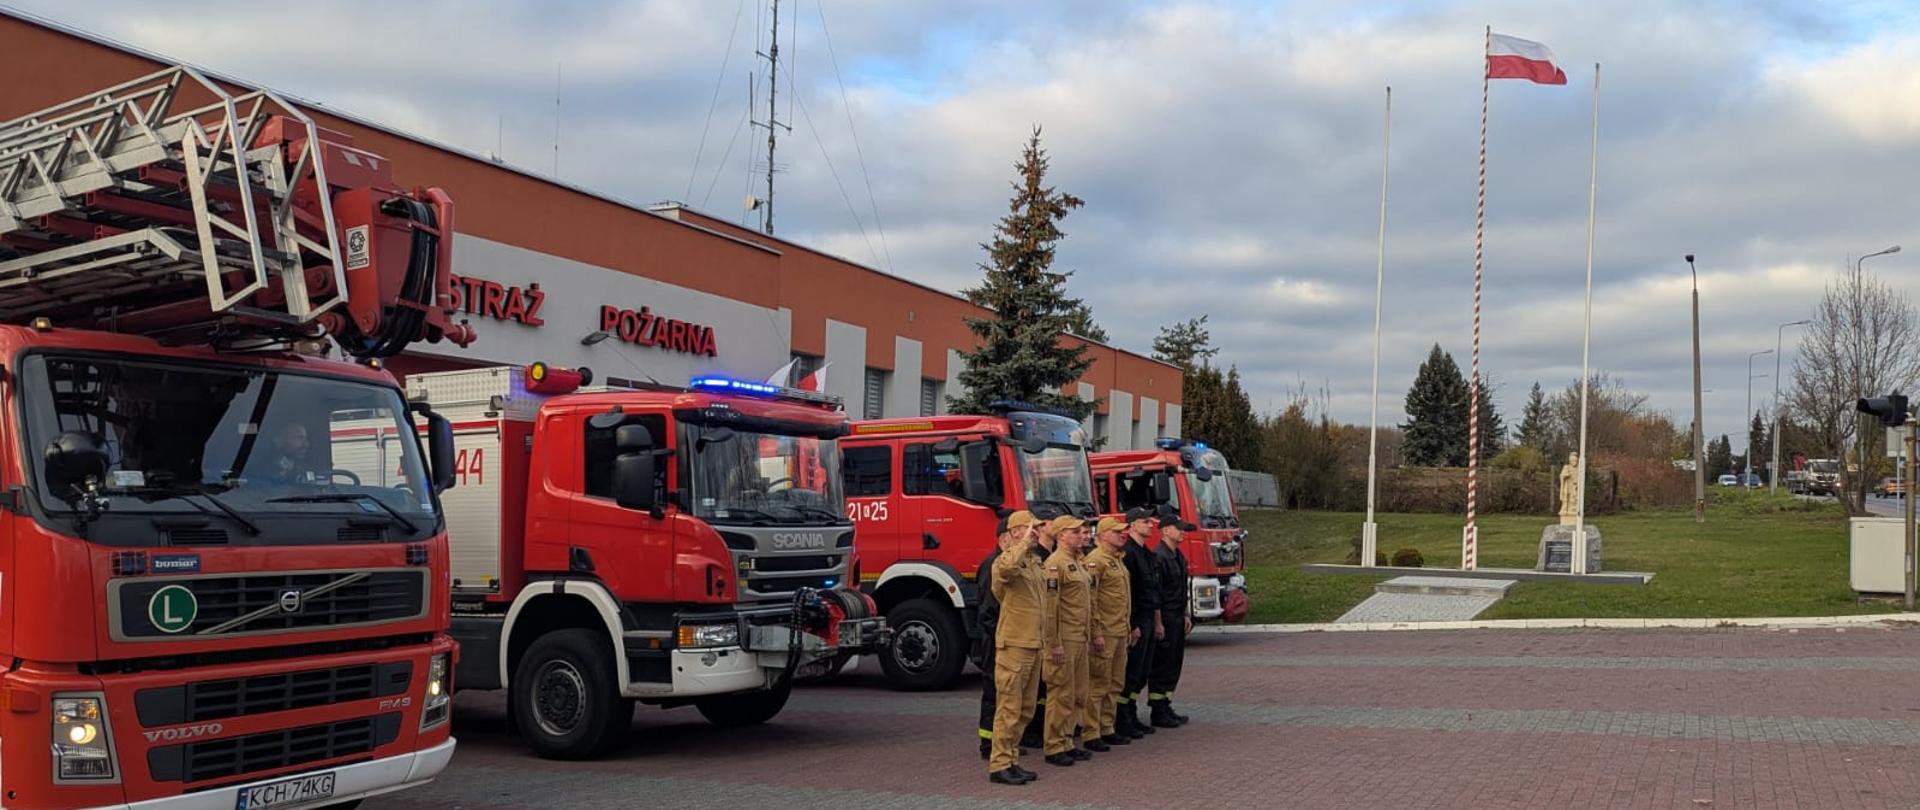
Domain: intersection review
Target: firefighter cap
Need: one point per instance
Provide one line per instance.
(1020, 518)
(1111, 524)
(1139, 513)
(1064, 523)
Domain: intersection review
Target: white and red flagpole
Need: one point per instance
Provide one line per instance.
(1578, 564)
(1470, 537)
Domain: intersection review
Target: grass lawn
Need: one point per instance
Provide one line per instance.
(1755, 556)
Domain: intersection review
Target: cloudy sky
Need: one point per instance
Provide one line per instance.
(1229, 153)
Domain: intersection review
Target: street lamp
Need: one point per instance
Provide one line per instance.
(1748, 476)
(1860, 382)
(1699, 449)
(1773, 468)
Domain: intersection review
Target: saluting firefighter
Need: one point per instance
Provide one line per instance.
(1019, 587)
(1112, 631)
(1013, 530)
(1065, 669)
(1144, 581)
(1035, 736)
(1176, 602)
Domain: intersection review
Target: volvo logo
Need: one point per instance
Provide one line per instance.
(184, 732)
(789, 541)
(290, 600)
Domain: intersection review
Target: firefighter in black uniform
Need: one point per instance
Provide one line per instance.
(1144, 578)
(1012, 531)
(1176, 600)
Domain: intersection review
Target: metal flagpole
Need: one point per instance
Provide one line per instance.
(1470, 537)
(1370, 533)
(1578, 564)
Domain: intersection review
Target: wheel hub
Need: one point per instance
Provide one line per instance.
(559, 698)
(916, 647)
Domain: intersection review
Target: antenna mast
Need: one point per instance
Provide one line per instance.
(773, 123)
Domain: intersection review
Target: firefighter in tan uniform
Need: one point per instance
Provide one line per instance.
(1020, 585)
(1112, 630)
(1066, 665)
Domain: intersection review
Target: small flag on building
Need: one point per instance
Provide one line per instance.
(1516, 58)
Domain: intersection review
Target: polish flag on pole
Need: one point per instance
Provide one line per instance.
(817, 381)
(1516, 58)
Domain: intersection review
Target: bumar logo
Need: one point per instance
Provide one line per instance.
(172, 608)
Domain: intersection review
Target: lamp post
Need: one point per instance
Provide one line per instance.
(1860, 383)
(1699, 441)
(1748, 475)
(1773, 466)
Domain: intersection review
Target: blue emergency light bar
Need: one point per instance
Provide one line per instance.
(752, 388)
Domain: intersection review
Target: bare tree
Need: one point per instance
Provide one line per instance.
(1863, 342)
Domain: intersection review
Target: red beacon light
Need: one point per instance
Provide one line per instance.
(544, 379)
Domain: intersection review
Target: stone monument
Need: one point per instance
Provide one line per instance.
(1556, 541)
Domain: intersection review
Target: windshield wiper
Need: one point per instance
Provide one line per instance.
(826, 514)
(351, 497)
(186, 494)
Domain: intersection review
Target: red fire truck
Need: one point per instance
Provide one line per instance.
(634, 543)
(1193, 477)
(225, 579)
(926, 494)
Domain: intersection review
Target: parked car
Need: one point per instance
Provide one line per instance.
(1754, 481)
(1729, 481)
(1889, 488)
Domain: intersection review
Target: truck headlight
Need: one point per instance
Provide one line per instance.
(695, 636)
(439, 698)
(81, 749)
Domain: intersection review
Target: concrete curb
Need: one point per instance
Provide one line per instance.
(1883, 619)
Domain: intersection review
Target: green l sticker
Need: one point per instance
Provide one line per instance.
(172, 608)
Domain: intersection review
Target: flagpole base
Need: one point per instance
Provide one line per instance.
(1369, 542)
(1468, 561)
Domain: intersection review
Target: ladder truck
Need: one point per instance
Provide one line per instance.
(634, 543)
(1192, 478)
(225, 571)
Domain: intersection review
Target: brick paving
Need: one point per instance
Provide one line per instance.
(1505, 718)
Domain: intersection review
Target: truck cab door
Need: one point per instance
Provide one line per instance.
(628, 549)
(870, 476)
(951, 527)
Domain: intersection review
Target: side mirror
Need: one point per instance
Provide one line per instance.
(1033, 444)
(440, 452)
(633, 439)
(976, 459)
(714, 435)
(73, 458)
(946, 445)
(1203, 473)
(633, 477)
(1162, 488)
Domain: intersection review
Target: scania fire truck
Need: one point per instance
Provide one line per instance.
(633, 543)
(224, 579)
(926, 494)
(1191, 477)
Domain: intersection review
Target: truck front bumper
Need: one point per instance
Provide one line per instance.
(1210, 595)
(357, 781)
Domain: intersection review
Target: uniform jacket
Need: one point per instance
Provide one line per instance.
(1175, 585)
(1144, 578)
(1072, 591)
(989, 610)
(1112, 592)
(1025, 613)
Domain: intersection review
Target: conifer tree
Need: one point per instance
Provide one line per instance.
(1436, 428)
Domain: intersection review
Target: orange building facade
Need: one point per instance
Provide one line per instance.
(550, 271)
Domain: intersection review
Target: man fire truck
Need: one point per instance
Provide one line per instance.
(926, 494)
(635, 543)
(226, 573)
(1191, 477)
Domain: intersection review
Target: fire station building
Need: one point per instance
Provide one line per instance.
(551, 271)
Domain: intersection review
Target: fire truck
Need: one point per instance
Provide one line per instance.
(635, 543)
(926, 494)
(226, 573)
(1192, 477)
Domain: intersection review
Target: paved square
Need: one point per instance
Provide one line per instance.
(1473, 719)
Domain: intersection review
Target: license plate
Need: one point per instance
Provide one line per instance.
(295, 792)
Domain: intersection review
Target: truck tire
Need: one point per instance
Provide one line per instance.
(565, 696)
(929, 647)
(745, 708)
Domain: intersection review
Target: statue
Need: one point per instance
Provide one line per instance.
(1570, 491)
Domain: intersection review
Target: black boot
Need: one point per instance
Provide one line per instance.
(1178, 716)
(1064, 759)
(1098, 745)
(1006, 776)
(986, 749)
(1145, 728)
(1024, 773)
(1126, 724)
(1163, 716)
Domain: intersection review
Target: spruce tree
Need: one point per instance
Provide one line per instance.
(1493, 431)
(1242, 443)
(1436, 428)
(1719, 456)
(1186, 344)
(1021, 355)
(1536, 423)
(1759, 444)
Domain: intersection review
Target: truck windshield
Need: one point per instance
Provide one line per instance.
(1212, 497)
(248, 449)
(740, 476)
(1058, 476)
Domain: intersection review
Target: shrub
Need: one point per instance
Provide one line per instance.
(1353, 557)
(1408, 558)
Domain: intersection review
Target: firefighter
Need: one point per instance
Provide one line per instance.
(1066, 666)
(1019, 588)
(1112, 633)
(1012, 531)
(1144, 582)
(1035, 736)
(1176, 602)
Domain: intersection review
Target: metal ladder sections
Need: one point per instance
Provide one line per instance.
(120, 198)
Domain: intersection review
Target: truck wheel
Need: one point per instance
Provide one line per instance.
(565, 697)
(745, 709)
(929, 647)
